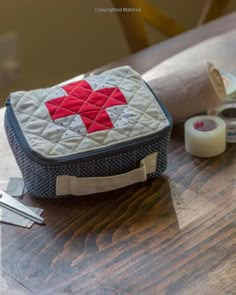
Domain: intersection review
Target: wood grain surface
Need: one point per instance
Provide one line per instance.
(175, 234)
(172, 235)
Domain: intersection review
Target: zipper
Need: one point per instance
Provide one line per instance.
(99, 153)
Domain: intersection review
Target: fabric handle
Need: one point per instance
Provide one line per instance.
(72, 185)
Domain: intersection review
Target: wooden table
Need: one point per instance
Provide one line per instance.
(175, 234)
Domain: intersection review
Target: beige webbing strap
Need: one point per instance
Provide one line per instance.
(72, 185)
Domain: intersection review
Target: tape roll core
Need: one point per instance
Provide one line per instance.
(205, 136)
(205, 125)
(229, 113)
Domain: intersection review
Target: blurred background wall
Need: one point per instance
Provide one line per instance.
(58, 39)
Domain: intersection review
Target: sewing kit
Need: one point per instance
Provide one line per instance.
(94, 135)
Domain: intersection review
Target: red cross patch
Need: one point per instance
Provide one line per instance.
(90, 105)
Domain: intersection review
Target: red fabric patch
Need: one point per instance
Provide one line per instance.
(91, 105)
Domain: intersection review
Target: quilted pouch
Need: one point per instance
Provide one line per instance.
(98, 134)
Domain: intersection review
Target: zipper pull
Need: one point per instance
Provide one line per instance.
(8, 100)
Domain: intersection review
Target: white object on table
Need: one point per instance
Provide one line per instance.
(205, 136)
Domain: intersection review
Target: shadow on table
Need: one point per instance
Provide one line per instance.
(82, 233)
(117, 213)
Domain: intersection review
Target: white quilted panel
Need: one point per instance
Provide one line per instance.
(68, 135)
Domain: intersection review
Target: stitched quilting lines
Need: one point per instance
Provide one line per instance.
(130, 109)
(91, 105)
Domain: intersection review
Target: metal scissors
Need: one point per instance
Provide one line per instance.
(17, 207)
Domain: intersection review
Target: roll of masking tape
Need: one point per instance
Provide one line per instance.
(227, 112)
(205, 136)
